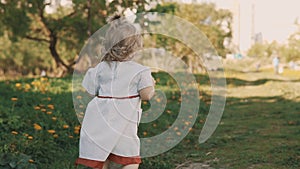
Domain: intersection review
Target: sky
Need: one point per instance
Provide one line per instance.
(273, 18)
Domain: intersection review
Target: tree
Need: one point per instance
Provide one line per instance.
(258, 50)
(294, 45)
(287, 52)
(23, 57)
(67, 28)
(214, 23)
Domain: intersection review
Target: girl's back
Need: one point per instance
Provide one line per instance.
(109, 127)
(120, 79)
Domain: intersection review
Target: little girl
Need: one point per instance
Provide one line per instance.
(109, 127)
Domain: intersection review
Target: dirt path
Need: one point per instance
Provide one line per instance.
(263, 85)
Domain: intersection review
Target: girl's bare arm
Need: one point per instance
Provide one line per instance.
(147, 93)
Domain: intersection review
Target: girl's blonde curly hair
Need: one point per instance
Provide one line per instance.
(122, 39)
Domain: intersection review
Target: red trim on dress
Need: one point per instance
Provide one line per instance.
(112, 157)
(89, 163)
(111, 97)
(124, 160)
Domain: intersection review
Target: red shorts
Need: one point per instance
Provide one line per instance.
(112, 157)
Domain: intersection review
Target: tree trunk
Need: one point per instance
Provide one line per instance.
(61, 67)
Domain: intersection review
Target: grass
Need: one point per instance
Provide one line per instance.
(260, 127)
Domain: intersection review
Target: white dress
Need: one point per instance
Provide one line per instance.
(110, 125)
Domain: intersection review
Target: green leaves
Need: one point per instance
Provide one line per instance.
(65, 30)
(14, 19)
(214, 23)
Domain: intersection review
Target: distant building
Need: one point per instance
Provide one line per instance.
(244, 35)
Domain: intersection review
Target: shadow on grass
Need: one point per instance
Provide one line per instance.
(204, 79)
(240, 82)
(257, 132)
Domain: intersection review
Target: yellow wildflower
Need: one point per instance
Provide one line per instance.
(158, 100)
(145, 133)
(49, 112)
(50, 106)
(18, 85)
(65, 126)
(55, 135)
(31, 160)
(14, 132)
(51, 131)
(37, 127)
(80, 116)
(76, 131)
(77, 127)
(44, 79)
(14, 99)
(36, 84)
(30, 137)
(27, 86)
(37, 107)
(54, 118)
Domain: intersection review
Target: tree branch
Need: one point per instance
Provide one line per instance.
(71, 14)
(53, 51)
(37, 39)
(43, 19)
(49, 3)
(66, 16)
